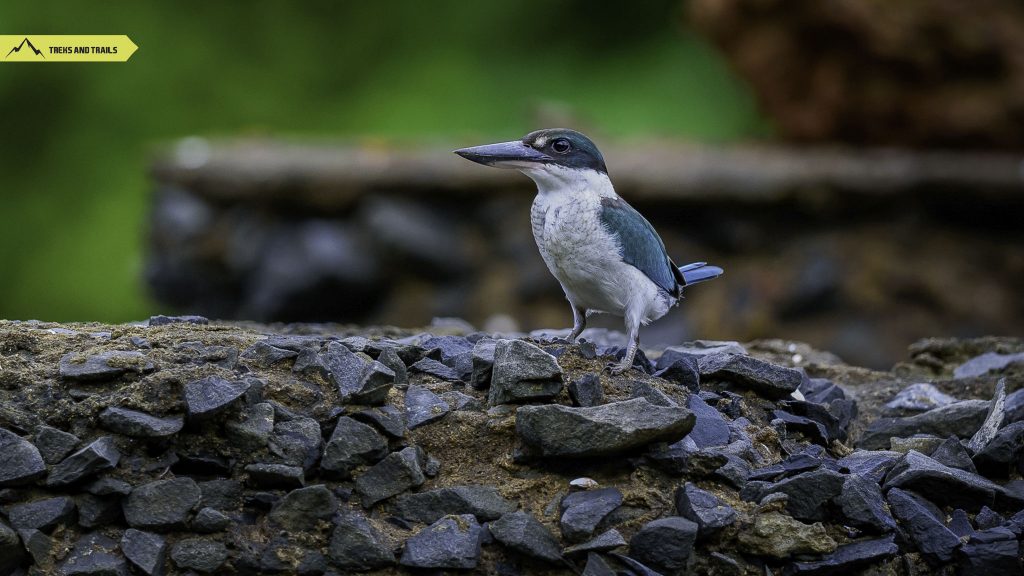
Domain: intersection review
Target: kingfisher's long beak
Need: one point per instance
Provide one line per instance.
(512, 154)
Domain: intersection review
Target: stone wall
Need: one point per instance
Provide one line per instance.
(176, 446)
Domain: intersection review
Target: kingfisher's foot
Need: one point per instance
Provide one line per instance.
(616, 369)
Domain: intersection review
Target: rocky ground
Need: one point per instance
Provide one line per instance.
(179, 446)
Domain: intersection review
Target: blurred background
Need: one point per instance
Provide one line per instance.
(855, 166)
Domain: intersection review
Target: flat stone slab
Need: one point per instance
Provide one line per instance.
(103, 366)
(139, 424)
(765, 378)
(20, 460)
(556, 430)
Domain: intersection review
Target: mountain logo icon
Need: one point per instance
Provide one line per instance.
(22, 45)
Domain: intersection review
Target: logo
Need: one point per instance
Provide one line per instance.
(67, 48)
(22, 45)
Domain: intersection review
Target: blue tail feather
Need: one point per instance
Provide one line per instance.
(699, 272)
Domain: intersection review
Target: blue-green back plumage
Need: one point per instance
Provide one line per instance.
(641, 246)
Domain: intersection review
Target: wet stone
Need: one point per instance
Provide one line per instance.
(396, 473)
(104, 366)
(704, 508)
(162, 505)
(453, 542)
(523, 372)
(54, 445)
(483, 502)
(586, 391)
(556, 430)
(582, 512)
(20, 461)
(356, 545)
(275, 476)
(665, 543)
(423, 407)
(145, 550)
(43, 515)
(98, 456)
(521, 532)
(199, 554)
(139, 424)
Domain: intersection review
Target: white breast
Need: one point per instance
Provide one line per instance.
(582, 255)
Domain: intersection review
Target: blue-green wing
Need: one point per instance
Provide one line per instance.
(641, 245)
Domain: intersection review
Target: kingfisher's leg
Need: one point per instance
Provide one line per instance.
(579, 322)
(634, 344)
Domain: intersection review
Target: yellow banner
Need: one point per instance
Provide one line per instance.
(66, 48)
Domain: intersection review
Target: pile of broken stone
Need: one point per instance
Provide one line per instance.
(177, 447)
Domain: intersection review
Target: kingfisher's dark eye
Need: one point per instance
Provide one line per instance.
(561, 146)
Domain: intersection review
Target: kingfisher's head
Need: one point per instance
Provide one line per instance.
(552, 154)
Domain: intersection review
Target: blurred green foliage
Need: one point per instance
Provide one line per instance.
(77, 137)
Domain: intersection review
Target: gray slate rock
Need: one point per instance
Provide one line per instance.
(648, 392)
(358, 379)
(665, 543)
(352, 444)
(211, 395)
(356, 545)
(679, 367)
(162, 505)
(961, 419)
(98, 511)
(387, 419)
(871, 464)
(302, 509)
(264, 355)
(583, 511)
(54, 445)
(1002, 452)
(103, 366)
(297, 442)
(941, 484)
(483, 363)
(10, 549)
(254, 428)
(452, 542)
(994, 552)
(221, 494)
(596, 566)
(921, 521)
(483, 502)
(199, 554)
(95, 555)
(209, 520)
(711, 429)
(139, 424)
(862, 505)
(423, 407)
(521, 532)
(704, 508)
(556, 430)
(161, 320)
(43, 515)
(586, 391)
(396, 473)
(608, 540)
(38, 545)
(847, 559)
(523, 372)
(275, 476)
(20, 461)
(953, 454)
(993, 420)
(985, 363)
(809, 493)
(145, 550)
(98, 456)
(919, 397)
(436, 369)
(766, 379)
